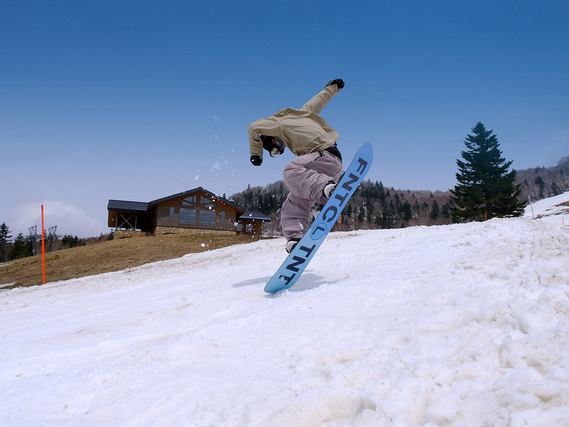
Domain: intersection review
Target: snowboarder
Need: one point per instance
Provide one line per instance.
(312, 176)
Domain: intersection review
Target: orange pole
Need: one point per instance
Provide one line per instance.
(42, 245)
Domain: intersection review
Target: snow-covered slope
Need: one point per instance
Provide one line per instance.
(462, 325)
(553, 209)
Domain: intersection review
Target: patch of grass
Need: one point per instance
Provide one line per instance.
(113, 255)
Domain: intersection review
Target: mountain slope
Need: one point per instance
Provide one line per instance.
(450, 325)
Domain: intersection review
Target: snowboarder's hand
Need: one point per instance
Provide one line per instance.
(338, 82)
(256, 160)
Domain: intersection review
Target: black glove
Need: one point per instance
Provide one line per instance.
(256, 160)
(338, 82)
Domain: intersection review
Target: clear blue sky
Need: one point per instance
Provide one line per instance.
(140, 100)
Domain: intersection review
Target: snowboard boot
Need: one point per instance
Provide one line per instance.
(329, 189)
(291, 244)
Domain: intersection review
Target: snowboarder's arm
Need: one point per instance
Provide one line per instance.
(255, 143)
(318, 102)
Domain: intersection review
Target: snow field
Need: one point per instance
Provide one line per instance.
(462, 325)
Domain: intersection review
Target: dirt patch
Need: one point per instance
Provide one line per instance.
(109, 256)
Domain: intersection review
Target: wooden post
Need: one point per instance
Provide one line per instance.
(531, 205)
(42, 245)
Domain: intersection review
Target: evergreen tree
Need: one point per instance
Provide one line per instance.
(406, 211)
(21, 248)
(446, 211)
(388, 217)
(69, 241)
(539, 181)
(435, 211)
(485, 187)
(5, 238)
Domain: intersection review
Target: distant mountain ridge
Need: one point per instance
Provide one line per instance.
(541, 182)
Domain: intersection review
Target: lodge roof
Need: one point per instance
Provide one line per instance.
(131, 206)
(195, 190)
(255, 216)
(125, 205)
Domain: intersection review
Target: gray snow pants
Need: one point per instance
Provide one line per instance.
(305, 178)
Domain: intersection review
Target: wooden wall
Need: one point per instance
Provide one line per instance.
(197, 210)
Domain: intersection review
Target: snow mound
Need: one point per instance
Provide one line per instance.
(462, 325)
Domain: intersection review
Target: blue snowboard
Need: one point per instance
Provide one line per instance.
(298, 259)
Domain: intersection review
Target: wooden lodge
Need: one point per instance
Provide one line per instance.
(190, 212)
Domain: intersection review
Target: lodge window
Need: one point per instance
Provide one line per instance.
(206, 203)
(166, 214)
(207, 217)
(187, 216)
(190, 202)
(197, 210)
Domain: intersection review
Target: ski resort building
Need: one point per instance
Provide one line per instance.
(189, 212)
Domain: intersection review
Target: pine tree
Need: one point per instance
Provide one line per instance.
(69, 241)
(435, 211)
(485, 188)
(446, 211)
(5, 238)
(21, 248)
(406, 211)
(539, 181)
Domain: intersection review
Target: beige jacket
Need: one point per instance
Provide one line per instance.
(302, 131)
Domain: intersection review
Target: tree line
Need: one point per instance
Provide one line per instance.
(486, 187)
(541, 182)
(24, 246)
(372, 206)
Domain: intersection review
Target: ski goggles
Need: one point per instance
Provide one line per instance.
(274, 146)
(278, 149)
